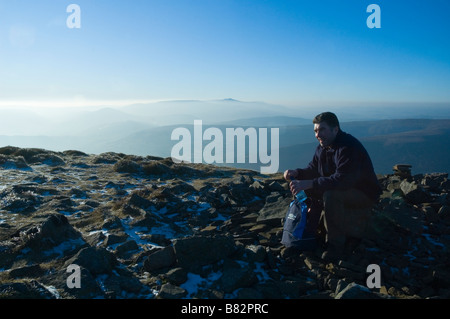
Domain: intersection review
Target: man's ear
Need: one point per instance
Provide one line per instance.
(335, 130)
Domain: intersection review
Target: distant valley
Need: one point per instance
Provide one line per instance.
(420, 138)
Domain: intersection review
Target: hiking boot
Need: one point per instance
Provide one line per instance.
(333, 254)
(330, 257)
(290, 252)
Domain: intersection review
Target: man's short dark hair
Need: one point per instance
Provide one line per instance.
(327, 117)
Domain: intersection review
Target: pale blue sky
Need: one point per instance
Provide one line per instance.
(287, 52)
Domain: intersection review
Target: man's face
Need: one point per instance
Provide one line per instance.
(325, 134)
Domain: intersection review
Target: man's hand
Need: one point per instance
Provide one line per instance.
(290, 175)
(297, 186)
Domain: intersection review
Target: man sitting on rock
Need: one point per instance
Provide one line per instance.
(341, 180)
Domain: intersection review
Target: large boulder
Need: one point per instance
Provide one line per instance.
(160, 259)
(275, 209)
(196, 251)
(357, 291)
(96, 260)
(415, 193)
(53, 238)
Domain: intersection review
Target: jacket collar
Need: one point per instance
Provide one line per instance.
(336, 141)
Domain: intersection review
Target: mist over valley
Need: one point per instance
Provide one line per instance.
(415, 134)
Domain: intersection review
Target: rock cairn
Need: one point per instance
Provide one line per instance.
(145, 227)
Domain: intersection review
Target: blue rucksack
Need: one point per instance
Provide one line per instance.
(298, 231)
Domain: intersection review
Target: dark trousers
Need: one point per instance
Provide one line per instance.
(343, 213)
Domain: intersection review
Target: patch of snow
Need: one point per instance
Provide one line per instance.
(261, 273)
(432, 240)
(53, 291)
(64, 246)
(195, 282)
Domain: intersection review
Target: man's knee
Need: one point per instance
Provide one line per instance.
(333, 206)
(351, 198)
(332, 196)
(343, 216)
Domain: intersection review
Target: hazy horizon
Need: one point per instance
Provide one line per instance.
(173, 112)
(291, 53)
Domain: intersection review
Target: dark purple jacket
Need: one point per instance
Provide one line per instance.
(344, 165)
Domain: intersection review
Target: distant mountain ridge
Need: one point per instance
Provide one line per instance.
(145, 129)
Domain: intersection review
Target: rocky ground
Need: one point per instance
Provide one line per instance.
(144, 227)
